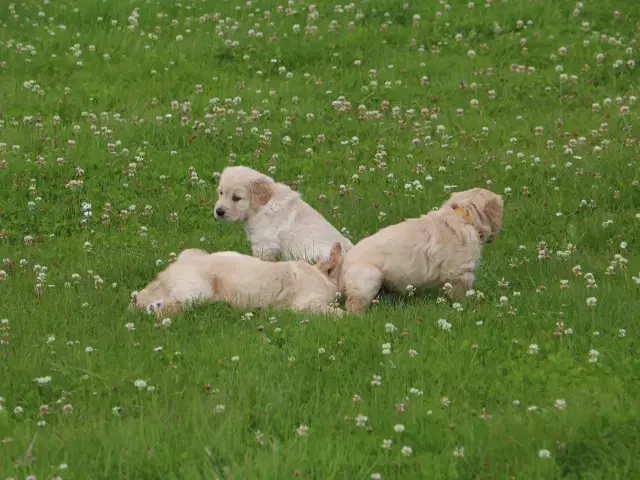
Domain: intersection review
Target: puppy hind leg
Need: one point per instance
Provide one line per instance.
(362, 284)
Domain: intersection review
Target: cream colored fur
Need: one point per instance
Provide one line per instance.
(243, 282)
(444, 246)
(279, 224)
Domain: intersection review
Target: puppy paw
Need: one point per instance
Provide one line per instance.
(355, 305)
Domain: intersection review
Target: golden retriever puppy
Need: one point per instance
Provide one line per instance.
(444, 246)
(280, 225)
(244, 282)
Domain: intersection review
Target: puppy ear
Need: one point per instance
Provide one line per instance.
(336, 253)
(261, 192)
(331, 266)
(493, 209)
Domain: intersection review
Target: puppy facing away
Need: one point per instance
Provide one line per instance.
(280, 225)
(244, 282)
(444, 246)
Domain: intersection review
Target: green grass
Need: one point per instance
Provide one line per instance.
(112, 124)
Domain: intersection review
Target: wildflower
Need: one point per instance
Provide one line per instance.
(42, 380)
(140, 384)
(544, 453)
(444, 325)
(399, 428)
(458, 452)
(560, 404)
(302, 431)
(445, 401)
(622, 332)
(407, 451)
(390, 328)
(386, 348)
(361, 420)
(533, 349)
(591, 302)
(377, 381)
(593, 356)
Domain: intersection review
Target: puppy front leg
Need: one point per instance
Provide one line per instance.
(267, 253)
(319, 307)
(460, 285)
(169, 310)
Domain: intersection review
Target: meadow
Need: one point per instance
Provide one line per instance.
(116, 119)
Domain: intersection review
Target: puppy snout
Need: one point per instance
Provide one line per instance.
(220, 212)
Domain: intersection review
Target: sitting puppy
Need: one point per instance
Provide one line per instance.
(243, 282)
(444, 246)
(280, 225)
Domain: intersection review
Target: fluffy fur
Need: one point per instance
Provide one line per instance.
(444, 246)
(279, 224)
(244, 282)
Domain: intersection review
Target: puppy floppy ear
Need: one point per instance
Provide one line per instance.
(493, 209)
(331, 266)
(261, 192)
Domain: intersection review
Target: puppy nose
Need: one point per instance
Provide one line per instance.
(220, 212)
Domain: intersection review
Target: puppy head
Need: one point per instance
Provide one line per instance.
(482, 208)
(332, 266)
(242, 191)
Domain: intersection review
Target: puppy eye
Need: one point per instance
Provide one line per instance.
(220, 192)
(235, 198)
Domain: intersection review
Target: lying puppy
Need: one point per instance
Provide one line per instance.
(444, 246)
(280, 225)
(243, 282)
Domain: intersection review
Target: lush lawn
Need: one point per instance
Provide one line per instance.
(114, 124)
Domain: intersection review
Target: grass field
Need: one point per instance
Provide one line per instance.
(114, 123)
